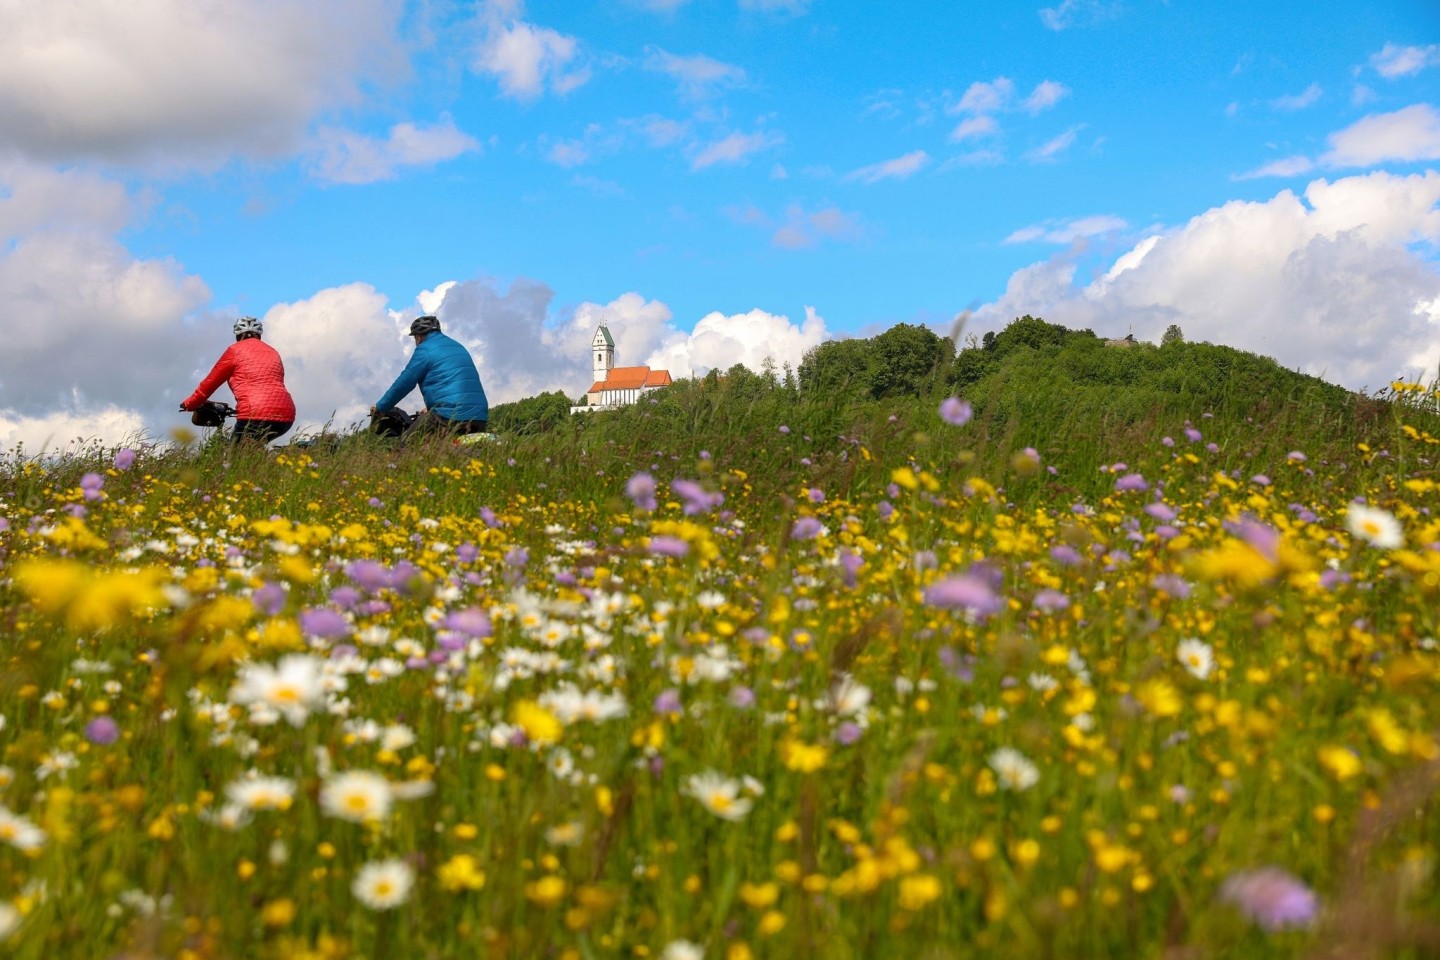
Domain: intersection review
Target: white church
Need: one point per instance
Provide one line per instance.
(616, 386)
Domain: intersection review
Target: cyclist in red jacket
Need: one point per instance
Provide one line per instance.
(264, 408)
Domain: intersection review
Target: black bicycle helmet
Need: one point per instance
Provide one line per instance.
(425, 324)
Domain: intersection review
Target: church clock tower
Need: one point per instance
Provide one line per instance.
(602, 349)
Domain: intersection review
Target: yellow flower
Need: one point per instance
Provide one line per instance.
(759, 895)
(539, 724)
(1340, 761)
(804, 757)
(461, 872)
(918, 890)
(547, 891)
(1160, 697)
(1389, 734)
(90, 602)
(278, 913)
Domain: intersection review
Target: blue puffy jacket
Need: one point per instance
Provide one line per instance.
(448, 380)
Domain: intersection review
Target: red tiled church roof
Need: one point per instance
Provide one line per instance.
(631, 378)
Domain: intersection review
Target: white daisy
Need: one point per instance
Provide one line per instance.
(1015, 771)
(1376, 527)
(357, 795)
(19, 832)
(719, 794)
(383, 884)
(1196, 656)
(262, 793)
(10, 920)
(293, 687)
(682, 950)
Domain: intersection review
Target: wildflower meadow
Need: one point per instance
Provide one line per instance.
(890, 693)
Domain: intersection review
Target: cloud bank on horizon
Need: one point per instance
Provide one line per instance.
(720, 184)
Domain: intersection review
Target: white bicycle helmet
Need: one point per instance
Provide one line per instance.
(248, 325)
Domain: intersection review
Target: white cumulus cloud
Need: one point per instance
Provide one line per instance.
(526, 59)
(734, 148)
(977, 126)
(1328, 281)
(1284, 167)
(982, 97)
(1068, 231)
(697, 76)
(1046, 94)
(718, 342)
(1051, 149)
(344, 156)
(1394, 60)
(178, 83)
(1298, 101)
(899, 168)
(1406, 135)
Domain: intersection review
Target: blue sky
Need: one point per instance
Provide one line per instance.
(720, 180)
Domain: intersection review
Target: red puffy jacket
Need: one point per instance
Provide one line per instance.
(257, 378)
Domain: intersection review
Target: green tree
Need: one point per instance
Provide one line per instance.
(907, 360)
(836, 366)
(1172, 335)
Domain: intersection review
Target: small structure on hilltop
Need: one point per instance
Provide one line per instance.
(616, 386)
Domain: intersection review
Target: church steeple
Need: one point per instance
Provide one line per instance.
(602, 349)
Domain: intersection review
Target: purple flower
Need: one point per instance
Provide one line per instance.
(517, 557)
(124, 458)
(473, 622)
(269, 598)
(806, 528)
(488, 516)
(668, 703)
(970, 592)
(375, 502)
(961, 666)
(1192, 435)
(816, 496)
(1160, 511)
(90, 484)
(1049, 601)
(1065, 555)
(323, 622)
(1167, 442)
(955, 411)
(1271, 897)
(467, 553)
(641, 489)
(1296, 456)
(885, 509)
(847, 733)
(368, 574)
(742, 698)
(1263, 537)
(697, 498)
(784, 429)
(1260, 480)
(102, 731)
(850, 564)
(669, 546)
(345, 597)
(1131, 481)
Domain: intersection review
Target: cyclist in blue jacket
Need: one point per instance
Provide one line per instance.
(445, 373)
